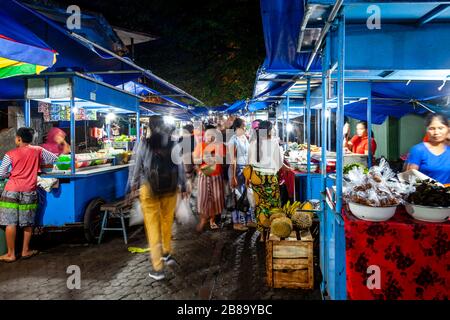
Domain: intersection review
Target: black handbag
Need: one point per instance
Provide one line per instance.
(242, 204)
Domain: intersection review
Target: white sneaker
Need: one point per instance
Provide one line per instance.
(157, 275)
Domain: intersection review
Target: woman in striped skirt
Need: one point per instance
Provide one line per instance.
(209, 158)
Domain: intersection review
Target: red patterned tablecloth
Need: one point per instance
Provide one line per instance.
(413, 257)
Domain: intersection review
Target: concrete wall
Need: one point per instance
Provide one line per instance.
(7, 141)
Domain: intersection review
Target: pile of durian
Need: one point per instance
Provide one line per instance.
(295, 216)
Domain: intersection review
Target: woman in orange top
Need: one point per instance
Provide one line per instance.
(360, 142)
(208, 156)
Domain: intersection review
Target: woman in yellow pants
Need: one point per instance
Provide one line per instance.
(160, 179)
(159, 212)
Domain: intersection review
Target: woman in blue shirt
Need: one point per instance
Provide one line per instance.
(432, 158)
(238, 148)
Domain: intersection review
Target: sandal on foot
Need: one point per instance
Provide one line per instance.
(240, 227)
(213, 226)
(32, 254)
(5, 259)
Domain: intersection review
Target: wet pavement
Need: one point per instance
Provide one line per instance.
(221, 264)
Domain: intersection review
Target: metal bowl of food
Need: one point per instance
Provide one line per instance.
(375, 214)
(428, 214)
(303, 167)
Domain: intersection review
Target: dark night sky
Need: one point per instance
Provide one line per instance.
(212, 49)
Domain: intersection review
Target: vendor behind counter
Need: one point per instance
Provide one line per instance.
(432, 158)
(56, 142)
(359, 144)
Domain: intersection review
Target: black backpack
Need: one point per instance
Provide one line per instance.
(163, 175)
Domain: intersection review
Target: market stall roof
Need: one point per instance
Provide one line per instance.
(21, 51)
(396, 99)
(77, 53)
(142, 90)
(130, 37)
(165, 110)
(412, 44)
(86, 92)
(281, 21)
(237, 106)
(93, 26)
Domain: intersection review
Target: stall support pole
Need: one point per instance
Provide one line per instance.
(340, 118)
(282, 121)
(339, 290)
(304, 125)
(288, 106)
(369, 124)
(27, 113)
(138, 126)
(329, 129)
(129, 126)
(323, 170)
(308, 128)
(72, 135)
(319, 127)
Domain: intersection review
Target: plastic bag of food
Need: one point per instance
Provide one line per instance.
(136, 216)
(373, 198)
(251, 197)
(382, 173)
(183, 212)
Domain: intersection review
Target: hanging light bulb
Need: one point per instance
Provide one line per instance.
(289, 127)
(110, 117)
(169, 120)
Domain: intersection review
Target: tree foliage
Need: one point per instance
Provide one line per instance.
(211, 49)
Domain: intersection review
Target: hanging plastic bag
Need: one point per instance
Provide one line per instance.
(183, 211)
(136, 215)
(251, 197)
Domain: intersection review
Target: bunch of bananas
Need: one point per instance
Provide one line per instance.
(289, 208)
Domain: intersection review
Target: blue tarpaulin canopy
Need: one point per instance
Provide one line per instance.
(142, 90)
(281, 21)
(397, 99)
(236, 107)
(281, 25)
(75, 54)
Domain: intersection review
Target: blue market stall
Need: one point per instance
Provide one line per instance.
(81, 191)
(371, 60)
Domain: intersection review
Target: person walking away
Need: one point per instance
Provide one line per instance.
(209, 158)
(159, 178)
(238, 149)
(265, 159)
(18, 202)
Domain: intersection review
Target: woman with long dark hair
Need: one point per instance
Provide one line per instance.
(265, 161)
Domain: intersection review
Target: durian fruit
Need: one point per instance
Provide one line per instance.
(302, 220)
(281, 227)
(264, 221)
(276, 215)
(307, 206)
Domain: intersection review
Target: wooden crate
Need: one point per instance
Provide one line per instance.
(289, 261)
